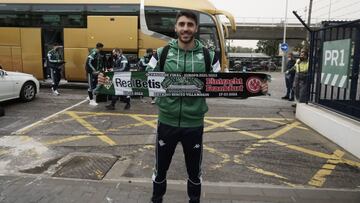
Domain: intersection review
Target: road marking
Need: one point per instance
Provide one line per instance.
(256, 169)
(27, 128)
(264, 172)
(226, 157)
(130, 126)
(301, 149)
(276, 134)
(236, 129)
(283, 130)
(319, 178)
(149, 123)
(69, 139)
(282, 123)
(113, 114)
(155, 116)
(351, 163)
(218, 125)
(87, 125)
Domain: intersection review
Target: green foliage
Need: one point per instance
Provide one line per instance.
(269, 47)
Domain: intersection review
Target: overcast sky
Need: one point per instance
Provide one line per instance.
(274, 10)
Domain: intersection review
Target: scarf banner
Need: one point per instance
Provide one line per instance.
(160, 84)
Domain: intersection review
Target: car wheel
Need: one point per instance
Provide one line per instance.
(28, 92)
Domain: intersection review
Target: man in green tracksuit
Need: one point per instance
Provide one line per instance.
(181, 119)
(93, 67)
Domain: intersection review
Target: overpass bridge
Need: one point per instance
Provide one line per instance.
(268, 29)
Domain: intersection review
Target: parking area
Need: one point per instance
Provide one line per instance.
(256, 140)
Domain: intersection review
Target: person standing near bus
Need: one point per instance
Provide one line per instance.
(119, 64)
(181, 119)
(55, 62)
(93, 67)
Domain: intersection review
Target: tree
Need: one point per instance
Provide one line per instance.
(239, 49)
(269, 47)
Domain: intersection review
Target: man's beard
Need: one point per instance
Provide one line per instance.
(186, 41)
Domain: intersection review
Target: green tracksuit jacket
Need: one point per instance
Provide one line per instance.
(182, 111)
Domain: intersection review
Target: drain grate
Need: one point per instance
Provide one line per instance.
(85, 167)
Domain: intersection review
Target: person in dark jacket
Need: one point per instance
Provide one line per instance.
(55, 62)
(289, 78)
(93, 68)
(119, 64)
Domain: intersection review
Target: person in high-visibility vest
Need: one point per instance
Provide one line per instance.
(301, 73)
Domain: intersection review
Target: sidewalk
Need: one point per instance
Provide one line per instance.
(25, 189)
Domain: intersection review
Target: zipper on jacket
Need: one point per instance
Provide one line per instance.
(184, 69)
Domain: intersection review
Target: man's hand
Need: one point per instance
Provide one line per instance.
(101, 79)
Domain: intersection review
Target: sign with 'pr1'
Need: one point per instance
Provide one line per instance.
(160, 84)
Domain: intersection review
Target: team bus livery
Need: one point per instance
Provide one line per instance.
(29, 28)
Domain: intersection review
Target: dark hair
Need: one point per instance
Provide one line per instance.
(56, 44)
(188, 14)
(99, 45)
(149, 50)
(118, 50)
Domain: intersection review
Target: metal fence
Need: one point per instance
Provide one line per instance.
(345, 99)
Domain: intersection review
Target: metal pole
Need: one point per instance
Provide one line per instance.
(329, 11)
(284, 38)
(309, 19)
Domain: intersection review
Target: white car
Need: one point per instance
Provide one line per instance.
(18, 85)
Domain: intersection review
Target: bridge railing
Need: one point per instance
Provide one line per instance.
(277, 21)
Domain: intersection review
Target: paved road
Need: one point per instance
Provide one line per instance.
(254, 141)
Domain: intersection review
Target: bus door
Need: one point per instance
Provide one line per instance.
(49, 36)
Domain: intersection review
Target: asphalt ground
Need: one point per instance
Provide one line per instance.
(256, 140)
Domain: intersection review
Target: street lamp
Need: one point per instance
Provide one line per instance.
(284, 38)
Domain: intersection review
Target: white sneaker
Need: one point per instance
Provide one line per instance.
(153, 101)
(55, 92)
(93, 103)
(88, 98)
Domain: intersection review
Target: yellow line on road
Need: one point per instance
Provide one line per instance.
(4, 151)
(236, 130)
(283, 130)
(319, 178)
(351, 163)
(276, 134)
(218, 125)
(112, 114)
(264, 172)
(250, 118)
(282, 123)
(155, 116)
(226, 157)
(69, 139)
(131, 125)
(256, 169)
(87, 125)
(138, 118)
(301, 149)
